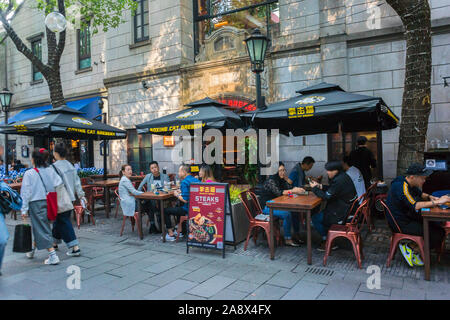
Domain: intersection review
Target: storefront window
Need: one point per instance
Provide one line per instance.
(139, 151)
(241, 14)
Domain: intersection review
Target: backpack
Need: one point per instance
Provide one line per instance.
(13, 202)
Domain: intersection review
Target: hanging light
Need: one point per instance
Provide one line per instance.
(56, 22)
(257, 45)
(5, 99)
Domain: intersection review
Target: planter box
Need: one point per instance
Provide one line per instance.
(240, 222)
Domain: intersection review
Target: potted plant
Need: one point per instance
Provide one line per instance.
(240, 220)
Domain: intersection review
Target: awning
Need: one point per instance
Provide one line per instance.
(88, 108)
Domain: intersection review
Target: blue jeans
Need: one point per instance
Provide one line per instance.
(4, 236)
(317, 221)
(287, 220)
(63, 229)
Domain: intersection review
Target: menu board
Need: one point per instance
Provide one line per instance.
(208, 206)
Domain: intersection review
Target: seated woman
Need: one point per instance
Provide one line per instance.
(206, 174)
(126, 191)
(274, 187)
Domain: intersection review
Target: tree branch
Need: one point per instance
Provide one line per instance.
(62, 36)
(21, 47)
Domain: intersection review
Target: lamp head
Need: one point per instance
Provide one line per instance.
(257, 45)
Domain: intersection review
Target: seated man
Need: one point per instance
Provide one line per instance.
(405, 199)
(340, 195)
(355, 175)
(158, 179)
(297, 177)
(183, 196)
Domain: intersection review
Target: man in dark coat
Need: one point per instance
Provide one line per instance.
(339, 195)
(363, 159)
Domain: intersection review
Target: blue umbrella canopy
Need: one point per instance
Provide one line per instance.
(206, 113)
(321, 108)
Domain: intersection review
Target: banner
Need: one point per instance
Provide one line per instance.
(207, 213)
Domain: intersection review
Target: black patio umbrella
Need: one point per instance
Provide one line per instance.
(64, 122)
(206, 114)
(322, 109)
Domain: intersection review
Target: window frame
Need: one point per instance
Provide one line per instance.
(34, 71)
(142, 162)
(87, 39)
(198, 18)
(144, 24)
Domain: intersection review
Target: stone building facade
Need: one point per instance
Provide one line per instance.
(357, 44)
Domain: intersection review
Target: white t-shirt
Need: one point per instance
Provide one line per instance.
(358, 180)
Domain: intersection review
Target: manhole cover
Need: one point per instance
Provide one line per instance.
(319, 271)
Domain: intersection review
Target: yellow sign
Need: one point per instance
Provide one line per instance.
(175, 128)
(194, 169)
(188, 114)
(301, 112)
(91, 131)
(21, 128)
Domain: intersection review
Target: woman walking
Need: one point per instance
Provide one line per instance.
(62, 227)
(35, 185)
(126, 191)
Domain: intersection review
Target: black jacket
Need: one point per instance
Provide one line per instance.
(363, 159)
(273, 188)
(340, 195)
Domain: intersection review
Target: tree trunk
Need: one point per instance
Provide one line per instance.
(55, 87)
(416, 104)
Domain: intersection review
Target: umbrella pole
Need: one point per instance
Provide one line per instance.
(105, 163)
(343, 140)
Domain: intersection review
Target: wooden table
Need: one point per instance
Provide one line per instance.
(299, 204)
(100, 176)
(152, 196)
(435, 214)
(106, 184)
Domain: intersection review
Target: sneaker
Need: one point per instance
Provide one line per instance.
(30, 255)
(407, 253)
(169, 238)
(52, 260)
(73, 253)
(416, 260)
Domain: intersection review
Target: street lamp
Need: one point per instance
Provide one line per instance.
(5, 101)
(257, 45)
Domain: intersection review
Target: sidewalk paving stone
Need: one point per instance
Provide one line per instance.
(229, 294)
(304, 290)
(135, 292)
(285, 279)
(340, 289)
(407, 294)
(185, 296)
(204, 274)
(171, 290)
(168, 276)
(360, 295)
(243, 286)
(211, 286)
(267, 292)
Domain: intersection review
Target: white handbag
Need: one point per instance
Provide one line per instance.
(64, 201)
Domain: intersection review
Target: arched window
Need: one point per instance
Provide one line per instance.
(223, 43)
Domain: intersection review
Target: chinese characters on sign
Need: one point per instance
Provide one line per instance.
(301, 112)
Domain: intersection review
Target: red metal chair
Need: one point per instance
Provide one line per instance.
(254, 223)
(79, 215)
(399, 236)
(350, 231)
(447, 232)
(182, 219)
(133, 220)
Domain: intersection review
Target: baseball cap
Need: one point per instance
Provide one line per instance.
(416, 169)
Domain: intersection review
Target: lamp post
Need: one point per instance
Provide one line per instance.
(5, 101)
(257, 45)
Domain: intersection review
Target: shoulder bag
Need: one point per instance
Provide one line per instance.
(64, 200)
(52, 201)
